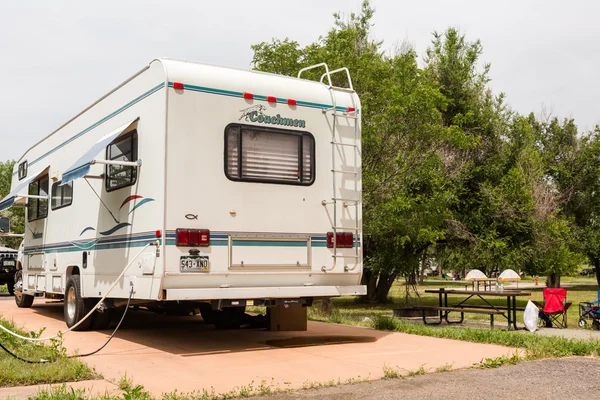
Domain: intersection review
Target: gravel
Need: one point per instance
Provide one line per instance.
(566, 378)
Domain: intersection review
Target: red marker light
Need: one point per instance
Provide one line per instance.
(271, 99)
(248, 96)
(177, 85)
(351, 109)
(291, 102)
(158, 233)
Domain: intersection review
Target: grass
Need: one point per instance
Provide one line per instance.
(535, 346)
(14, 372)
(131, 391)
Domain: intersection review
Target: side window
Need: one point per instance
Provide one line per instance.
(122, 149)
(22, 170)
(62, 196)
(38, 208)
(256, 154)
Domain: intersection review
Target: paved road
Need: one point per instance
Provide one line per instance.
(571, 378)
(166, 353)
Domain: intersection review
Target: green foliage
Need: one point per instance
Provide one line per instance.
(18, 373)
(16, 215)
(451, 175)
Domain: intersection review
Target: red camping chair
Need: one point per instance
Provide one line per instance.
(554, 309)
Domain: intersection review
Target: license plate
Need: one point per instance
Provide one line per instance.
(9, 263)
(194, 264)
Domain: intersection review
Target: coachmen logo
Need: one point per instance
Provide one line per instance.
(256, 114)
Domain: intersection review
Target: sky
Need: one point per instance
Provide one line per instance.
(59, 57)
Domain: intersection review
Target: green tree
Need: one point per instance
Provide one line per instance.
(404, 184)
(16, 215)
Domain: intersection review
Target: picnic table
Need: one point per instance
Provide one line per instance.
(509, 312)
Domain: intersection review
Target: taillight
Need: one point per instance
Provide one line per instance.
(344, 240)
(193, 237)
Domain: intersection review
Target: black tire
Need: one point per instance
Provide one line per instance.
(22, 300)
(100, 320)
(10, 285)
(76, 307)
(230, 318)
(207, 313)
(596, 325)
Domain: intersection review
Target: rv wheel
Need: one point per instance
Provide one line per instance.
(75, 306)
(101, 320)
(207, 313)
(22, 300)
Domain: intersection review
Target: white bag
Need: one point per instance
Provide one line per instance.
(530, 316)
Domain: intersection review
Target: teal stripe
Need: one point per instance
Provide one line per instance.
(103, 120)
(171, 242)
(102, 247)
(222, 92)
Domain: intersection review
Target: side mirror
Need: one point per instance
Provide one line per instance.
(4, 225)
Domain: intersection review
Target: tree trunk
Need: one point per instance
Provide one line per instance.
(553, 281)
(383, 286)
(596, 262)
(369, 279)
(423, 266)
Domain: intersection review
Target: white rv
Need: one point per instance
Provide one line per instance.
(240, 187)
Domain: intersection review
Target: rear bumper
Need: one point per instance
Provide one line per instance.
(265, 292)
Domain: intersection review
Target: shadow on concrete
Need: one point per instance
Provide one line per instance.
(190, 336)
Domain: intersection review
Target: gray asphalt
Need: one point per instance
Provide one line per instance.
(567, 378)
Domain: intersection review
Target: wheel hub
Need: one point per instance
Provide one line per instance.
(19, 287)
(71, 302)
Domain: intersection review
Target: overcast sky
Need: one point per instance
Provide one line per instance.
(58, 57)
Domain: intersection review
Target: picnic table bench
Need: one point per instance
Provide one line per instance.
(509, 312)
(462, 310)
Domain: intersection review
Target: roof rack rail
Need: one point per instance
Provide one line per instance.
(328, 74)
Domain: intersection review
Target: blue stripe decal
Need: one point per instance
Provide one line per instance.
(103, 120)
(141, 239)
(115, 228)
(255, 96)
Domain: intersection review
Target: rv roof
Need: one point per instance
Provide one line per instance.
(236, 79)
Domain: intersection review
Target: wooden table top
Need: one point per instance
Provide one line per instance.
(504, 293)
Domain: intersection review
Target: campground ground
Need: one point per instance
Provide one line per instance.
(166, 353)
(572, 378)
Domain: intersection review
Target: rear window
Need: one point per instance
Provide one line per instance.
(256, 154)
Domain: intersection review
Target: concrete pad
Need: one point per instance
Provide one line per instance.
(167, 353)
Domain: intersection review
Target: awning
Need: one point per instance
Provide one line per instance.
(9, 200)
(82, 166)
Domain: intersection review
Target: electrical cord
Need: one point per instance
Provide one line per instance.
(42, 361)
(88, 314)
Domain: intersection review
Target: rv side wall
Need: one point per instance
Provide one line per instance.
(84, 236)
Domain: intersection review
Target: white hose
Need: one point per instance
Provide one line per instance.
(88, 314)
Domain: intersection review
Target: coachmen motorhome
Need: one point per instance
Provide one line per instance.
(192, 186)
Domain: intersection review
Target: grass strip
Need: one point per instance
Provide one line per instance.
(535, 346)
(14, 372)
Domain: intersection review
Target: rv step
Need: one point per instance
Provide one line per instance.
(345, 144)
(347, 200)
(343, 115)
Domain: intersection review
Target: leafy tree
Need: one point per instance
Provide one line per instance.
(16, 215)
(404, 184)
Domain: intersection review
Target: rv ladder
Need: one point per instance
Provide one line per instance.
(336, 148)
